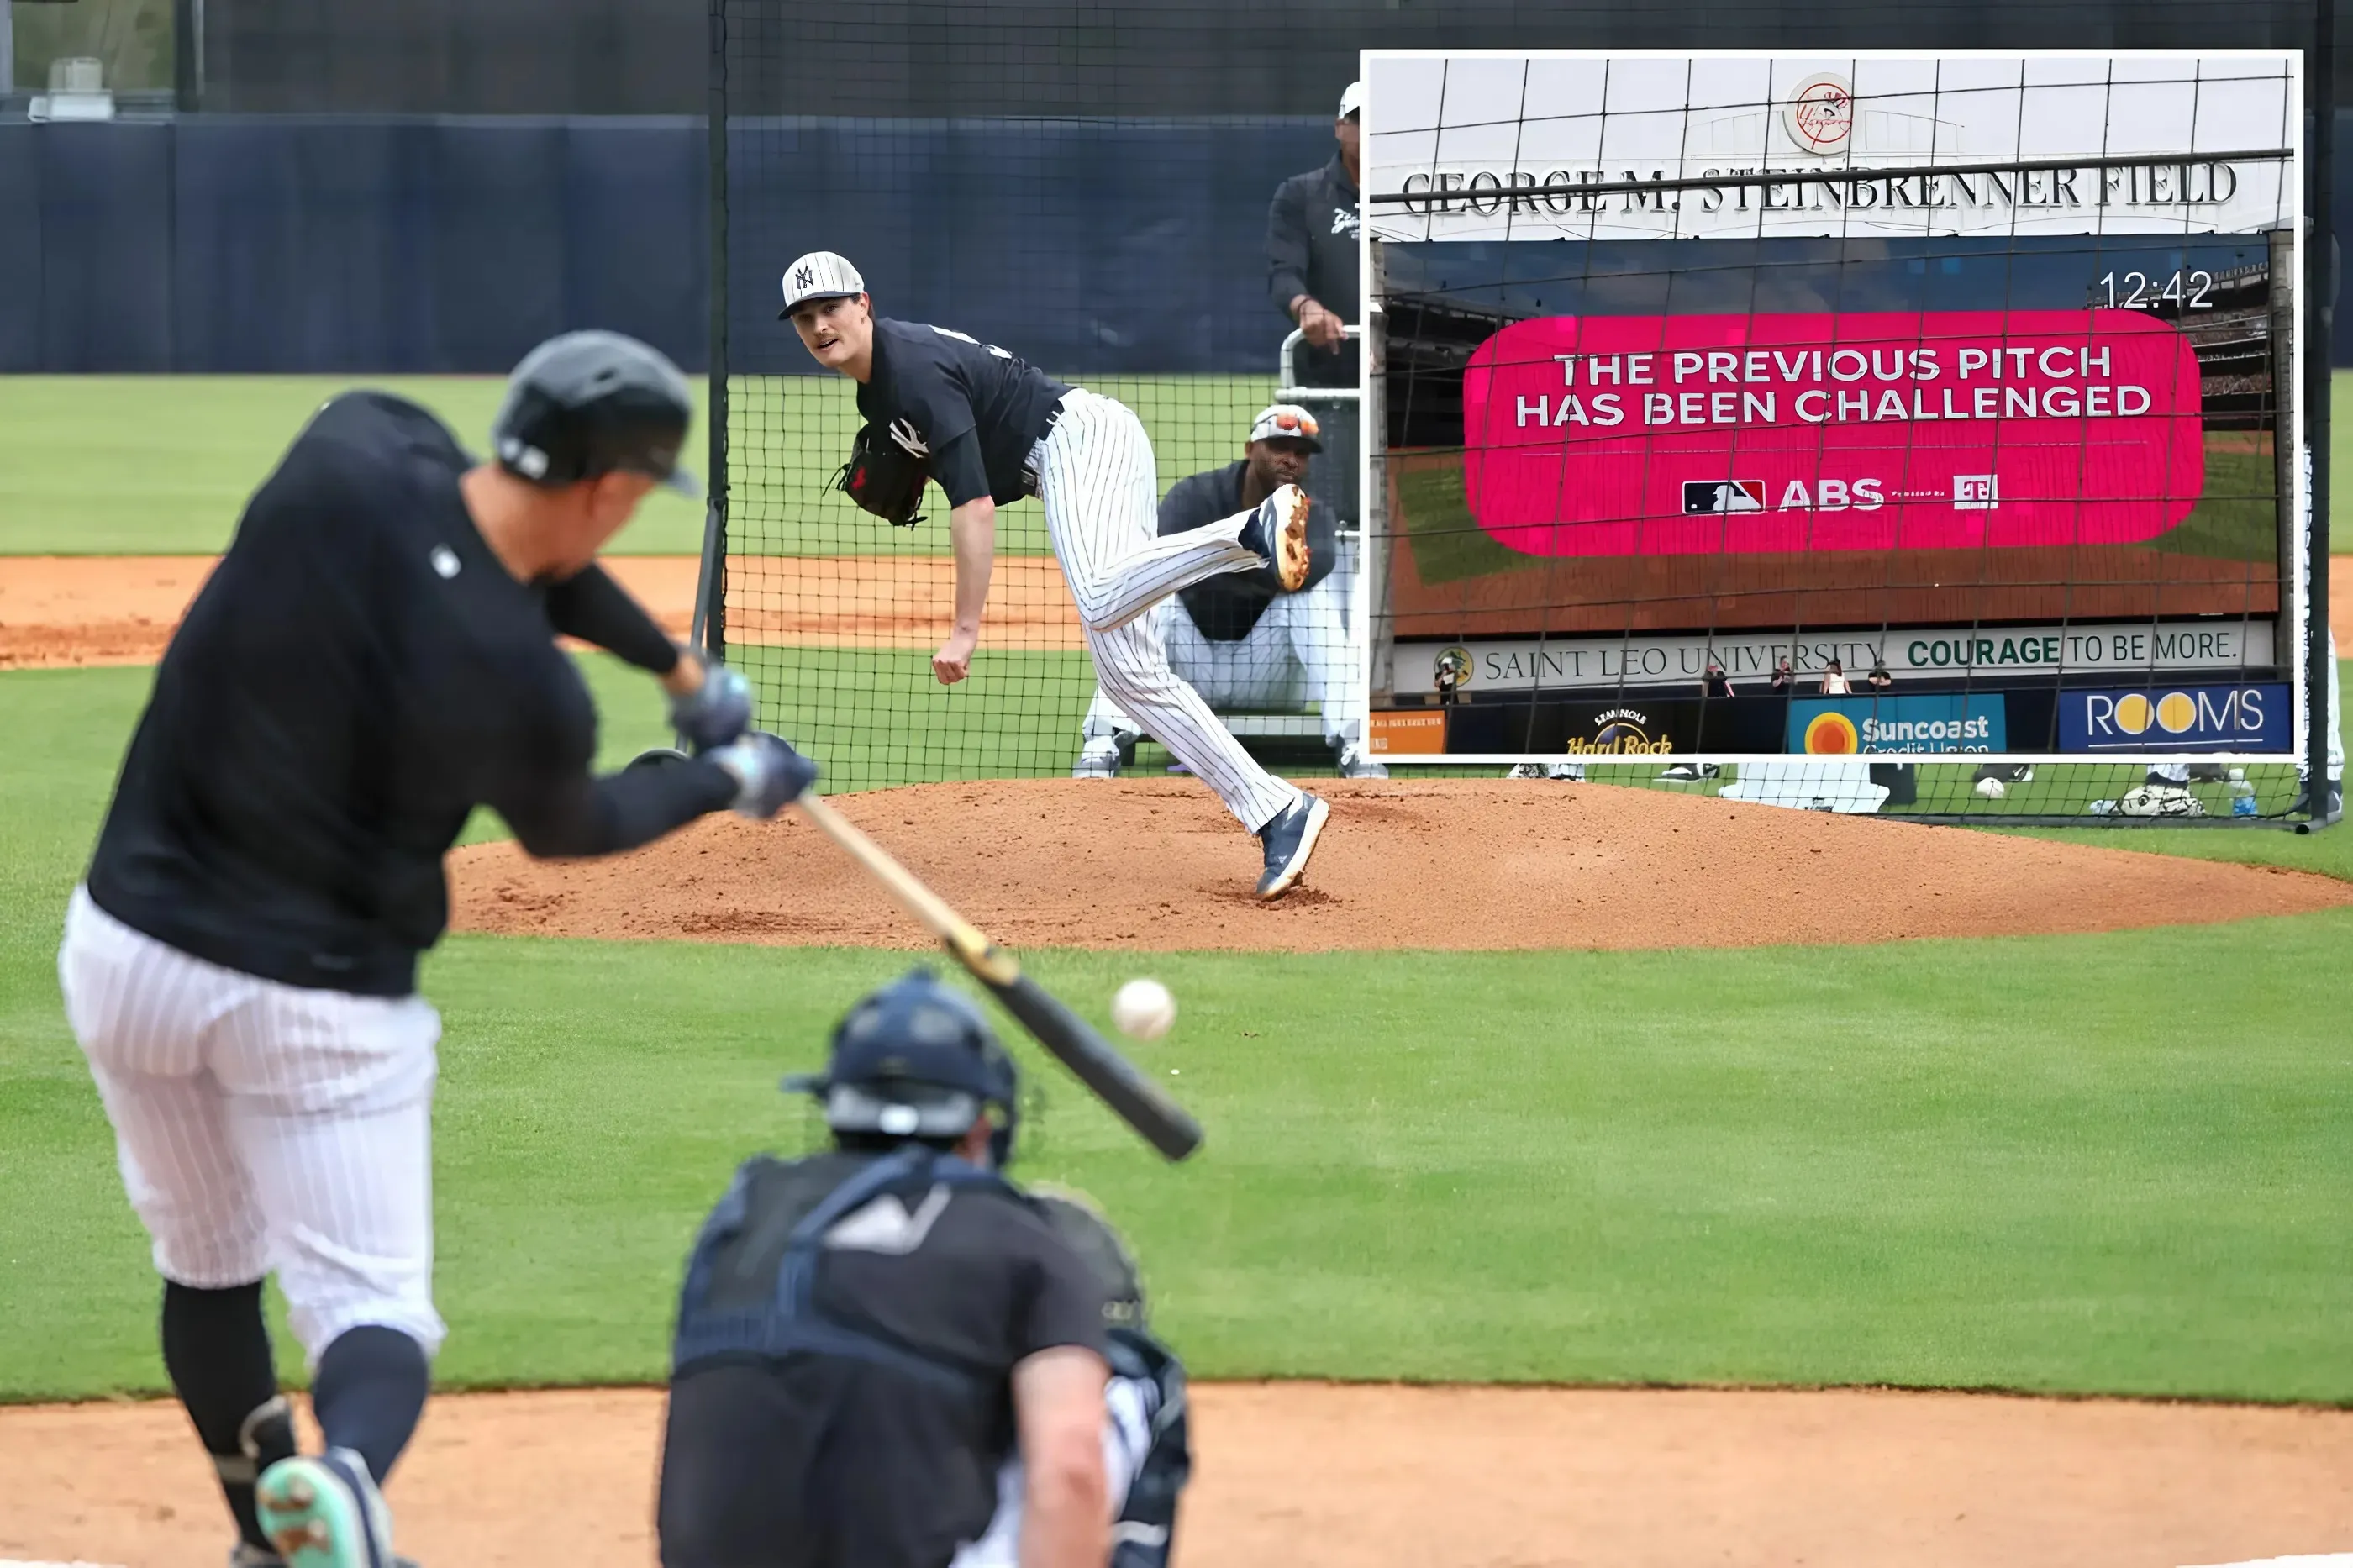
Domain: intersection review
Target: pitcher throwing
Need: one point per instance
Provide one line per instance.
(992, 429)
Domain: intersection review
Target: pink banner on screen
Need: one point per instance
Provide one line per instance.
(1707, 434)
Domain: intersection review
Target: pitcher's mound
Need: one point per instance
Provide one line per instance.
(1437, 864)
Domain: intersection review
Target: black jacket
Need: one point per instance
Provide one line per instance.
(1310, 248)
(1227, 606)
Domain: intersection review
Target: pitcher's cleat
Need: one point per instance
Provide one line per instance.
(1279, 532)
(1290, 839)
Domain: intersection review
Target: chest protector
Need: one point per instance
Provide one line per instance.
(750, 1284)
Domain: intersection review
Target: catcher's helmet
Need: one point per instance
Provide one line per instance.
(1074, 1217)
(916, 1060)
(589, 404)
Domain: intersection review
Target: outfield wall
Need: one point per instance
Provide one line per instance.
(355, 245)
(237, 243)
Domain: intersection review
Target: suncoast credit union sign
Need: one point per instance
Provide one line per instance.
(1915, 726)
(1496, 147)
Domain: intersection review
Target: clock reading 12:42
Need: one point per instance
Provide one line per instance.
(2147, 291)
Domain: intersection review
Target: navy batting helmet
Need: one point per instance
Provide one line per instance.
(589, 404)
(916, 1060)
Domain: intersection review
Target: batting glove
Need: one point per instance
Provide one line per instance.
(717, 712)
(769, 774)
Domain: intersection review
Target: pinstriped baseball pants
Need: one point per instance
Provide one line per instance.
(1102, 494)
(264, 1128)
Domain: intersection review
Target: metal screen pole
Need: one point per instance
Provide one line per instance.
(2320, 299)
(710, 632)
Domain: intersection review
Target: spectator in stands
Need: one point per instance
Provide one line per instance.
(1714, 682)
(1879, 681)
(1311, 251)
(1834, 680)
(1240, 642)
(1784, 678)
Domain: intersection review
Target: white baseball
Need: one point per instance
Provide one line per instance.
(1143, 1009)
(1992, 789)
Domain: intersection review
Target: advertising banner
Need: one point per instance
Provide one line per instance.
(2153, 719)
(1792, 433)
(1454, 669)
(1604, 731)
(1911, 726)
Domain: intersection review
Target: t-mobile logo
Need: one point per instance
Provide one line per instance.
(1975, 492)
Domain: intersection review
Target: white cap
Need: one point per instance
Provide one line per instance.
(1287, 422)
(819, 275)
(1351, 101)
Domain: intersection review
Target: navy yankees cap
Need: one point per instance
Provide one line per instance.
(819, 275)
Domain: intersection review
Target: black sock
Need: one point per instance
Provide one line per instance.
(216, 1349)
(369, 1391)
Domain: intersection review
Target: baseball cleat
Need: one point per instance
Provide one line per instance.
(325, 1512)
(1097, 760)
(1290, 839)
(1279, 532)
(1355, 764)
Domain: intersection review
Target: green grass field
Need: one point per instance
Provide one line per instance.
(2113, 1163)
(162, 465)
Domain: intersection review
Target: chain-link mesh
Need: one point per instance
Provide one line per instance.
(1124, 254)
(1855, 434)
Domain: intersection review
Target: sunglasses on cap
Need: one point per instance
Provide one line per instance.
(1289, 424)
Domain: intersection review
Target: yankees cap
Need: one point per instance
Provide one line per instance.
(1352, 101)
(819, 275)
(1287, 422)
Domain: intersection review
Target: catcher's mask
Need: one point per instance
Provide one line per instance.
(915, 1059)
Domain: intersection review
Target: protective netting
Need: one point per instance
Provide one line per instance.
(1866, 434)
(1125, 253)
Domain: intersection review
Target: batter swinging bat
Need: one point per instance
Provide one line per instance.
(1134, 1097)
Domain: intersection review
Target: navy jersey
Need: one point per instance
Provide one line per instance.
(360, 672)
(968, 409)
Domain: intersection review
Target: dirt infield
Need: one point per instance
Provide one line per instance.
(1311, 1476)
(64, 610)
(1453, 864)
(115, 609)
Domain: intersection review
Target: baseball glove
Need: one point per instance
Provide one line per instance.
(883, 478)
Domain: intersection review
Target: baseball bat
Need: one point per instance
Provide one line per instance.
(1134, 1097)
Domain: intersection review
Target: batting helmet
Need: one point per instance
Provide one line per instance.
(916, 1060)
(589, 404)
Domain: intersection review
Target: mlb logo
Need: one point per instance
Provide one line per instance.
(1975, 492)
(1723, 495)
